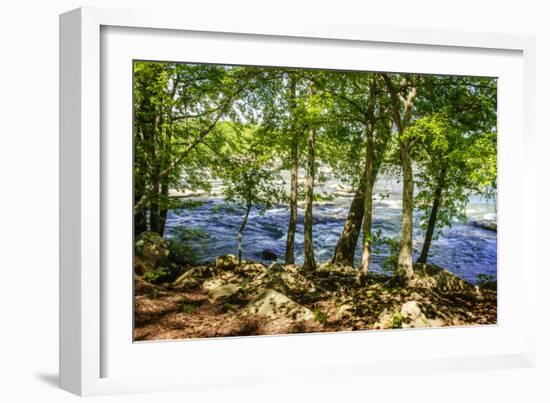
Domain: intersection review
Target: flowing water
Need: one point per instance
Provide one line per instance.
(463, 249)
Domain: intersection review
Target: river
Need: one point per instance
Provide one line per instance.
(463, 249)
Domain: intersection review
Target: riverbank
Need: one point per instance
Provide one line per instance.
(231, 299)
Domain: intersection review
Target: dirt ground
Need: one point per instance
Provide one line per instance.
(328, 301)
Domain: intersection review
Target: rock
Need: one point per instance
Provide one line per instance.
(251, 268)
(227, 262)
(223, 291)
(186, 281)
(386, 320)
(490, 225)
(412, 316)
(268, 255)
(344, 311)
(150, 251)
(192, 278)
(212, 283)
(274, 305)
(432, 276)
(286, 279)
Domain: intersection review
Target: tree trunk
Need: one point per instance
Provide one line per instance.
(154, 222)
(140, 218)
(240, 235)
(309, 257)
(367, 210)
(163, 212)
(404, 262)
(402, 121)
(289, 252)
(431, 226)
(344, 253)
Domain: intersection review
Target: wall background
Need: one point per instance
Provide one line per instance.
(29, 196)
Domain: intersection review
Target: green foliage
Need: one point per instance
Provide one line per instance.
(397, 321)
(157, 275)
(248, 171)
(379, 242)
(189, 204)
(453, 164)
(322, 197)
(183, 244)
(319, 315)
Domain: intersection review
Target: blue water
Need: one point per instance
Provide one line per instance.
(463, 249)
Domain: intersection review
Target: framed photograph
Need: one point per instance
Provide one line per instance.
(238, 196)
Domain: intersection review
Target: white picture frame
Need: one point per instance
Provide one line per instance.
(91, 342)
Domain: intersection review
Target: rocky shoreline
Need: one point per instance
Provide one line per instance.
(226, 298)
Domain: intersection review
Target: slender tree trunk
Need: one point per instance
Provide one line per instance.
(163, 212)
(402, 120)
(289, 252)
(154, 222)
(367, 210)
(309, 257)
(431, 226)
(404, 262)
(241, 230)
(344, 253)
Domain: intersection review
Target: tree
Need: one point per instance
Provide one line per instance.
(176, 106)
(357, 140)
(249, 176)
(293, 202)
(272, 104)
(403, 95)
(456, 151)
(313, 109)
(309, 257)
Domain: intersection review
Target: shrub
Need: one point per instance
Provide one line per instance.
(319, 315)
(379, 243)
(397, 321)
(157, 275)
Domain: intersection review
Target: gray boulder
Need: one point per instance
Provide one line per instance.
(151, 251)
(274, 305)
